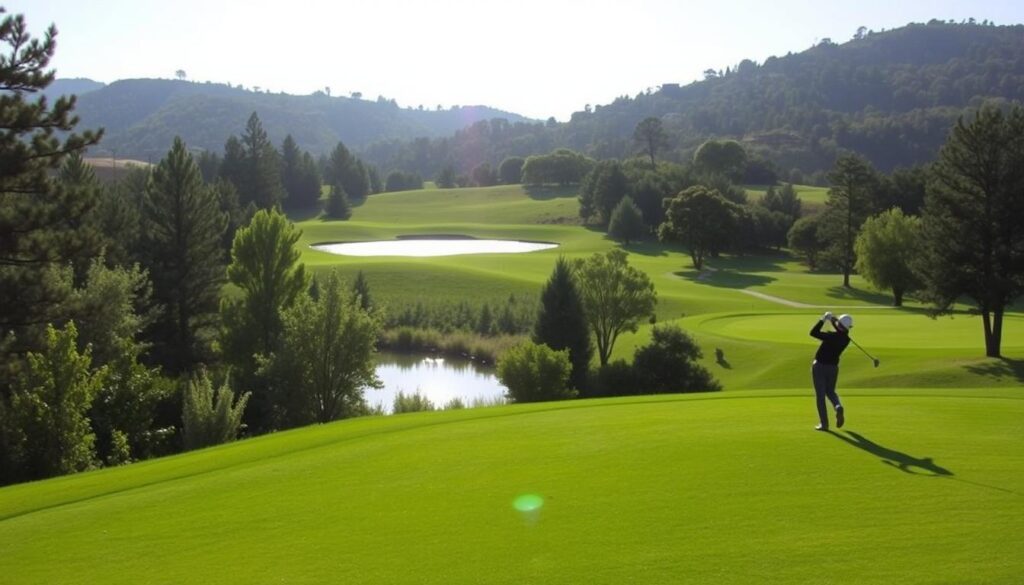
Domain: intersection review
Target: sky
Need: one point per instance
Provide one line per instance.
(538, 58)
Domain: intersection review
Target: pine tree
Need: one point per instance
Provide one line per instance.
(627, 222)
(847, 207)
(41, 218)
(262, 182)
(338, 206)
(362, 288)
(561, 322)
(181, 243)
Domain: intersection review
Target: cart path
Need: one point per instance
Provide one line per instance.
(797, 305)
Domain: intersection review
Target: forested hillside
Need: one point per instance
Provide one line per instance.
(142, 116)
(889, 96)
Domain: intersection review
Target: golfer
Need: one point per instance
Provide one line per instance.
(825, 368)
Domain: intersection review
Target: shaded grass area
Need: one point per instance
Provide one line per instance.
(906, 493)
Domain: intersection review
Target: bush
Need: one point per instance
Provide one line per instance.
(535, 372)
(669, 364)
(415, 402)
(616, 378)
(208, 419)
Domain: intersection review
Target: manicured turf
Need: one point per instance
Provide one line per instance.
(921, 487)
(924, 485)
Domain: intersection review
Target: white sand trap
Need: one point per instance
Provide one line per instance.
(428, 247)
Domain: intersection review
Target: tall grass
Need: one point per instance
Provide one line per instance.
(467, 344)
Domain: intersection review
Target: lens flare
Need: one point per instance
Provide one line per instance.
(528, 503)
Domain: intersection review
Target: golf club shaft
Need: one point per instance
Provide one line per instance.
(862, 349)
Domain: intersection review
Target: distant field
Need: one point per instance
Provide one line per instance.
(922, 487)
(774, 349)
(809, 194)
(111, 168)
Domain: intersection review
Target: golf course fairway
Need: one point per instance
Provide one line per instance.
(920, 487)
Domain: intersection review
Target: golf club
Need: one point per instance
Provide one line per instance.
(873, 359)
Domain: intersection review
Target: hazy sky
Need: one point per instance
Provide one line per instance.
(537, 58)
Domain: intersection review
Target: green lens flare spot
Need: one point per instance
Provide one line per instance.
(528, 503)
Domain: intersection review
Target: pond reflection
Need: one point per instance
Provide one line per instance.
(440, 379)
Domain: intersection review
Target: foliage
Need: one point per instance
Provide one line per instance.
(510, 171)
(848, 206)
(888, 247)
(260, 181)
(974, 244)
(446, 178)
(601, 191)
(347, 172)
(49, 404)
(401, 181)
(325, 358)
(299, 176)
(669, 364)
(484, 175)
(415, 402)
(616, 378)
(43, 220)
(805, 239)
(182, 228)
(700, 219)
(615, 297)
(563, 166)
(361, 288)
(783, 200)
(338, 205)
(534, 372)
(467, 344)
(562, 323)
(627, 222)
(649, 135)
(721, 157)
(210, 418)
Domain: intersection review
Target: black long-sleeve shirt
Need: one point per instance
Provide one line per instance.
(832, 344)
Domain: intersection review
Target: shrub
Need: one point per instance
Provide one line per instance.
(616, 378)
(415, 402)
(210, 419)
(535, 372)
(669, 364)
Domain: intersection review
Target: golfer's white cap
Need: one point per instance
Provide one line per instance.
(846, 321)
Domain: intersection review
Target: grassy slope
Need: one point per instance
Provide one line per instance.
(726, 488)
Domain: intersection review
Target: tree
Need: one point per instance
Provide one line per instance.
(265, 266)
(338, 205)
(650, 137)
(562, 166)
(534, 372)
(615, 297)
(846, 209)
(446, 179)
(721, 157)
(627, 222)
(510, 171)
(180, 241)
(601, 191)
(262, 184)
(888, 248)
(562, 323)
(804, 238)
(347, 171)
(42, 220)
(784, 200)
(210, 418)
(299, 176)
(361, 289)
(700, 219)
(669, 364)
(974, 244)
(49, 404)
(484, 175)
(325, 359)
(180, 74)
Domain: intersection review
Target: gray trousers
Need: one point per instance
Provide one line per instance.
(825, 377)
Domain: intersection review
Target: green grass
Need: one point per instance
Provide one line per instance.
(925, 485)
(726, 488)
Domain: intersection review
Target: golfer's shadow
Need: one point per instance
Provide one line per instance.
(901, 461)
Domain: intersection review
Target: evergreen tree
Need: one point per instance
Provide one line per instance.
(181, 242)
(974, 244)
(299, 175)
(650, 137)
(561, 322)
(627, 222)
(446, 178)
(847, 207)
(338, 206)
(42, 220)
(348, 172)
(261, 184)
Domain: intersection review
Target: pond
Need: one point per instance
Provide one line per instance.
(432, 246)
(440, 379)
